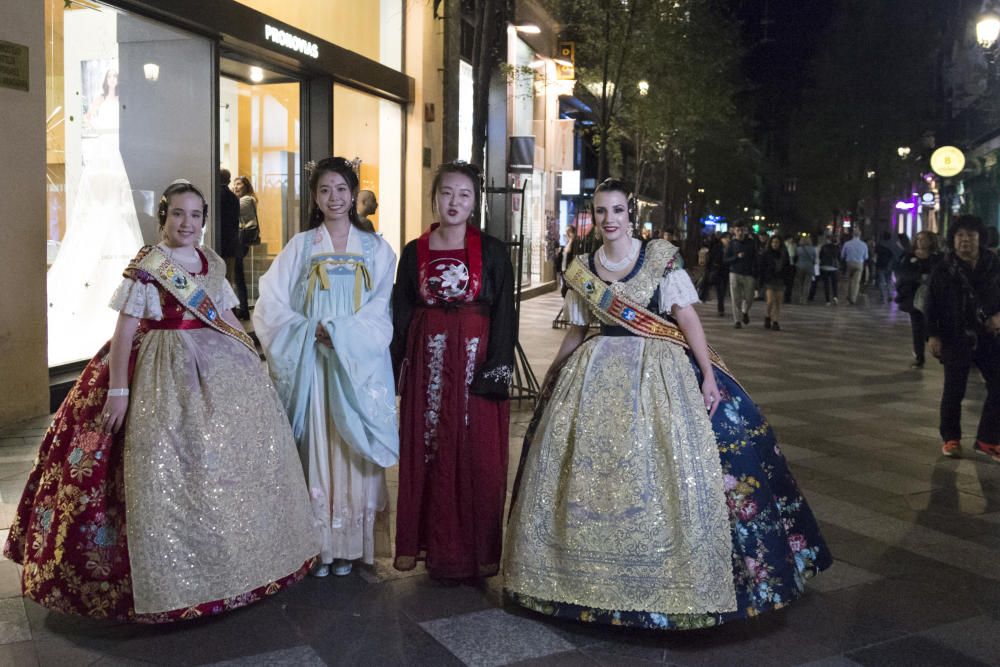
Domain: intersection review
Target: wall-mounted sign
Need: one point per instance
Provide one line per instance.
(927, 199)
(290, 41)
(566, 61)
(947, 161)
(570, 183)
(14, 66)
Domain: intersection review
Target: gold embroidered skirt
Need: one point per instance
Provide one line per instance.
(216, 500)
(621, 503)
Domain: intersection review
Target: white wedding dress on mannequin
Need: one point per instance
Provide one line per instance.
(102, 235)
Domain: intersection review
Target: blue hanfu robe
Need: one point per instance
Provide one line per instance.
(340, 401)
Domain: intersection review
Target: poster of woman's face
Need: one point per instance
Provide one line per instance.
(98, 82)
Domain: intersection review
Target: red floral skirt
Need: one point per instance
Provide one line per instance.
(69, 533)
(453, 449)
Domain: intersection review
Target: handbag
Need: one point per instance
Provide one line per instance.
(250, 230)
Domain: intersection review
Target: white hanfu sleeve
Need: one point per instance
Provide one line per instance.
(676, 289)
(287, 336)
(137, 299)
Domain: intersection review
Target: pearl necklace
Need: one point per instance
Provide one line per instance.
(614, 267)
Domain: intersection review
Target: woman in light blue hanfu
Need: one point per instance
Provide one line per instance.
(323, 320)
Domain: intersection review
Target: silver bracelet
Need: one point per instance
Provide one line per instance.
(118, 392)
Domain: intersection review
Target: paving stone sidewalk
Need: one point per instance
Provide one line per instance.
(916, 539)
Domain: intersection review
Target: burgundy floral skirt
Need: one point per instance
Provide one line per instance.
(69, 533)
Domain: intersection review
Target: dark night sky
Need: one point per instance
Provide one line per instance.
(780, 37)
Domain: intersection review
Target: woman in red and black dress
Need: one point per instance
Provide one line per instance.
(453, 354)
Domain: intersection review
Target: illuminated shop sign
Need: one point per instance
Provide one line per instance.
(290, 41)
(947, 161)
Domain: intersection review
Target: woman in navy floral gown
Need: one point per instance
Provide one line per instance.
(651, 492)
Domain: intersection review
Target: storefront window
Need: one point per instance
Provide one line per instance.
(374, 29)
(127, 113)
(259, 137)
(370, 130)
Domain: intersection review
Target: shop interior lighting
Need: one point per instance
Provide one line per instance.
(528, 28)
(988, 30)
(644, 87)
(151, 71)
(256, 74)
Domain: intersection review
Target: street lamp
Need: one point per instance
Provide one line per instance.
(988, 30)
(644, 87)
(903, 152)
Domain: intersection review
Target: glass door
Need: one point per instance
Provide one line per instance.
(259, 142)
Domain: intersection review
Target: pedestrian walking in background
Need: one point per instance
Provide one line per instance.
(651, 492)
(230, 248)
(805, 267)
(963, 324)
(323, 320)
(773, 267)
(887, 254)
(855, 255)
(791, 247)
(740, 259)
(912, 286)
(249, 220)
(565, 256)
(367, 205)
(453, 353)
(716, 271)
(829, 268)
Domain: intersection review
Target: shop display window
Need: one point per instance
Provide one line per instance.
(127, 112)
(260, 131)
(369, 130)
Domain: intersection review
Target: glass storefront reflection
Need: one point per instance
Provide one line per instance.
(112, 145)
(370, 130)
(259, 134)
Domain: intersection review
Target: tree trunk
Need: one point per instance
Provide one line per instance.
(484, 54)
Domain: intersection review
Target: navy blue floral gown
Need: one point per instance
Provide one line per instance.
(632, 507)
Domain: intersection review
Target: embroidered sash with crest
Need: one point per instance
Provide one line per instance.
(152, 261)
(616, 309)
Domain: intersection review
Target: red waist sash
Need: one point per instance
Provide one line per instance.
(149, 325)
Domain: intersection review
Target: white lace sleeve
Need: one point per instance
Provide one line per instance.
(575, 310)
(226, 299)
(676, 289)
(137, 299)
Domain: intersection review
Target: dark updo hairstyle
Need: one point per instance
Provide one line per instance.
(467, 169)
(336, 165)
(618, 185)
(178, 188)
(967, 221)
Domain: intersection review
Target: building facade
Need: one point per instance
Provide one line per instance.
(125, 96)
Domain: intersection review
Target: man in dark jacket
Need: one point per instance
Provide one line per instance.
(963, 327)
(230, 248)
(740, 259)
